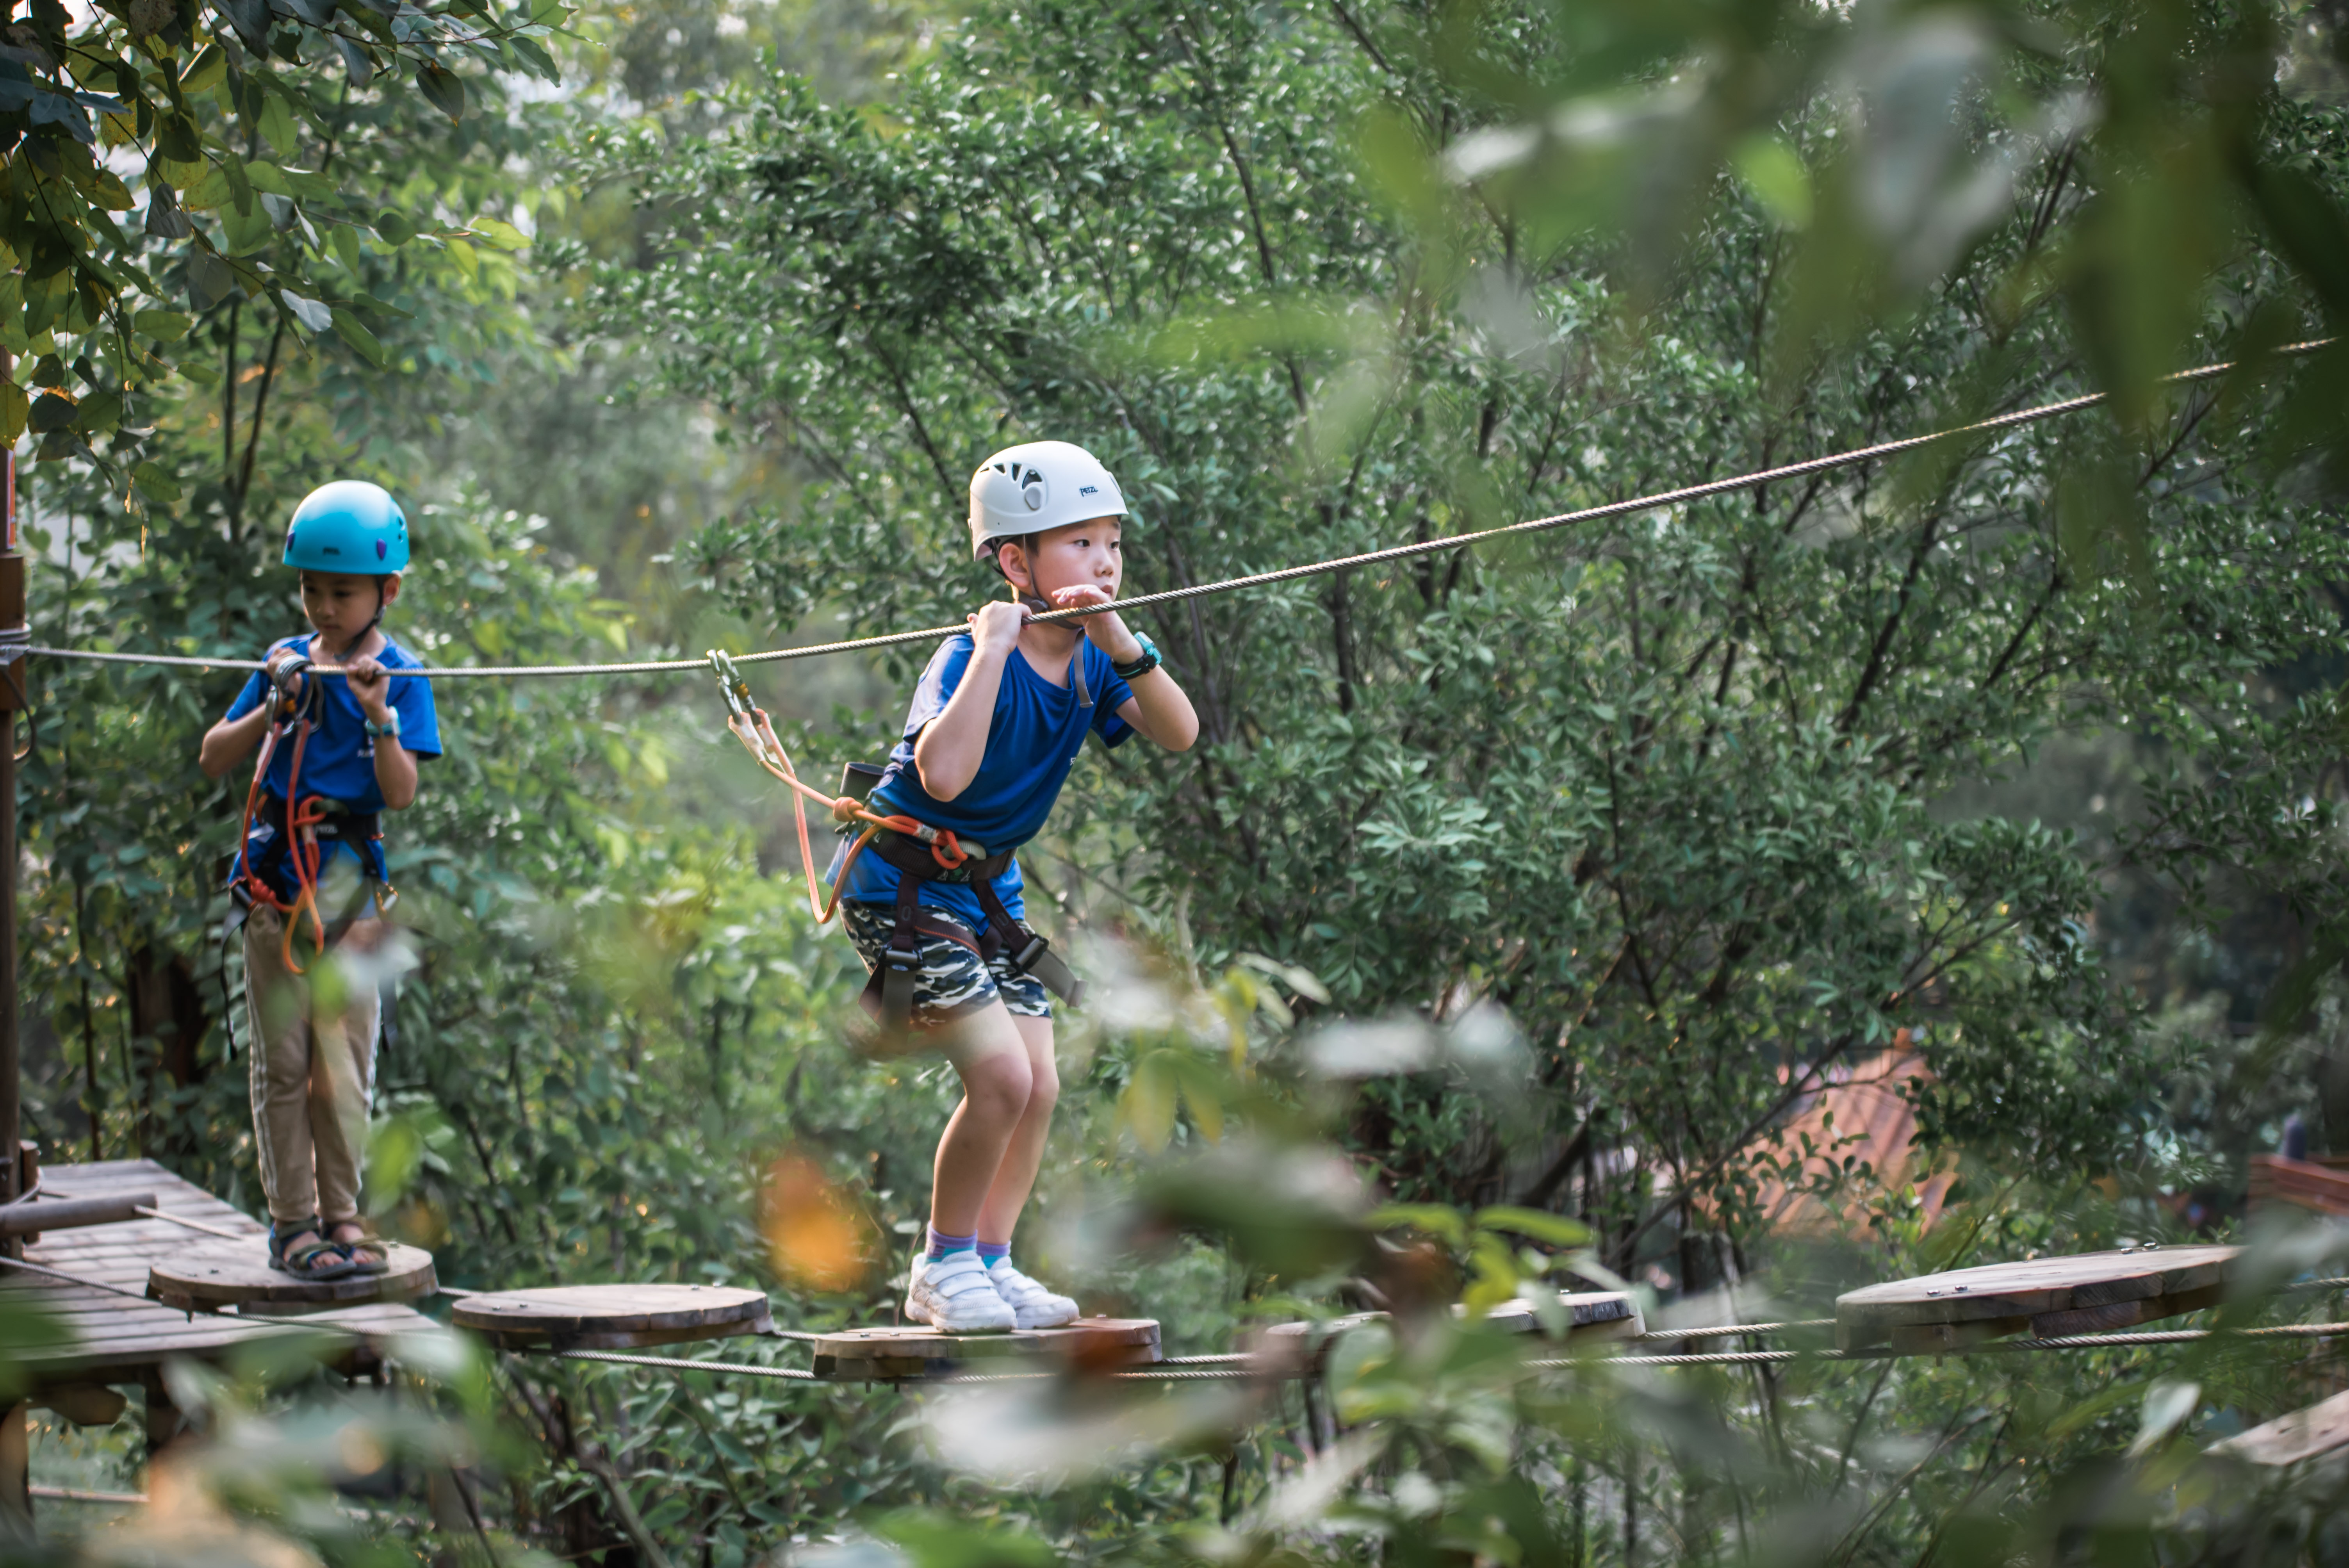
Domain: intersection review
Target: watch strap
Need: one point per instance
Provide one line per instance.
(1149, 661)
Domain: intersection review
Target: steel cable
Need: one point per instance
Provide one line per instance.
(1681, 495)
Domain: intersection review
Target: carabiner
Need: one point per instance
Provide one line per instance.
(731, 685)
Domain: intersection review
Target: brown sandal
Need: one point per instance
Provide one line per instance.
(367, 1252)
(318, 1259)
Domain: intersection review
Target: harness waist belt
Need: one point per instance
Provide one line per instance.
(890, 992)
(340, 821)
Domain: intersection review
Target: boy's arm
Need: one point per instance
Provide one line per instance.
(952, 746)
(395, 765)
(231, 740)
(1159, 707)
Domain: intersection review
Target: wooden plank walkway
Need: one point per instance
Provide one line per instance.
(124, 1341)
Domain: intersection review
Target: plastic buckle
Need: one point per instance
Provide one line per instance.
(905, 962)
(1035, 947)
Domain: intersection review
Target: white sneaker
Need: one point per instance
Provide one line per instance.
(1035, 1306)
(955, 1296)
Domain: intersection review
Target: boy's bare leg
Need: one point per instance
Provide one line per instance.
(988, 1051)
(1024, 1155)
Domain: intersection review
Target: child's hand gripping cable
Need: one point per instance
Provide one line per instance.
(750, 725)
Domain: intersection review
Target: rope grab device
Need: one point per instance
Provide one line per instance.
(920, 853)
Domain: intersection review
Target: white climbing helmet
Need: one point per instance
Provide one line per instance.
(1030, 488)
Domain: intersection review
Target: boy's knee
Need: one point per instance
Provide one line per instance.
(998, 1084)
(1043, 1087)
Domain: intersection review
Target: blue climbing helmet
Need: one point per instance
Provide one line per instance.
(351, 526)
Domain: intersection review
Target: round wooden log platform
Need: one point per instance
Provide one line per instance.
(611, 1317)
(220, 1275)
(2090, 1292)
(894, 1355)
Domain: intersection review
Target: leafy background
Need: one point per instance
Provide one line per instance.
(1543, 880)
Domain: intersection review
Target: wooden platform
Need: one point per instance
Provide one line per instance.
(1590, 1315)
(2321, 1185)
(894, 1355)
(218, 1274)
(2322, 1428)
(611, 1317)
(2088, 1293)
(124, 1341)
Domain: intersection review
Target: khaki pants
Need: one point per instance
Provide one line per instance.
(313, 1067)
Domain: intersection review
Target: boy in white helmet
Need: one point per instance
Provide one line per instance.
(995, 724)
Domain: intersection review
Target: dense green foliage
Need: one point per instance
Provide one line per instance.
(1711, 803)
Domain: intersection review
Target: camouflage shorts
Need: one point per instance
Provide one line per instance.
(951, 983)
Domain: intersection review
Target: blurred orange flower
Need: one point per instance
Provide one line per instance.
(818, 1238)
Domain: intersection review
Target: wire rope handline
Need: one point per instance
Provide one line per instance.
(1650, 502)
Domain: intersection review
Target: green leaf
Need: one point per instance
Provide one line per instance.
(443, 89)
(240, 183)
(177, 137)
(164, 325)
(16, 410)
(500, 234)
(310, 313)
(1432, 1218)
(1771, 171)
(278, 125)
(53, 411)
(349, 328)
(393, 228)
(205, 72)
(246, 229)
(535, 59)
(211, 192)
(155, 483)
(1555, 1229)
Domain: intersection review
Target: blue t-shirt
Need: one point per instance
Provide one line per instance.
(338, 760)
(1031, 743)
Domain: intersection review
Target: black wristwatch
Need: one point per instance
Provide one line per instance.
(1148, 662)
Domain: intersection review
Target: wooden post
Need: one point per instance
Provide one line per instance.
(14, 636)
(16, 1470)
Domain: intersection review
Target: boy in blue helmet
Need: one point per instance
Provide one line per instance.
(992, 732)
(337, 751)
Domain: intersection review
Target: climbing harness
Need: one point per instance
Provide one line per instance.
(298, 827)
(919, 851)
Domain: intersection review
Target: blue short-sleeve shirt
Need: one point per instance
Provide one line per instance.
(338, 760)
(1031, 743)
